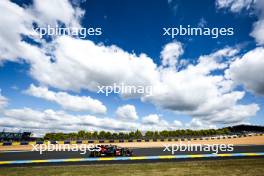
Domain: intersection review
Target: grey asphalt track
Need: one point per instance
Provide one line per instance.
(28, 155)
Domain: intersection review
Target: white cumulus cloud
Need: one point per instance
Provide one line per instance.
(171, 53)
(255, 6)
(47, 12)
(151, 119)
(248, 69)
(126, 112)
(67, 101)
(235, 5)
(198, 93)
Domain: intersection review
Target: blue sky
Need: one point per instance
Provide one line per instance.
(135, 27)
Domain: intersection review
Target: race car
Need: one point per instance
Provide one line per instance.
(110, 150)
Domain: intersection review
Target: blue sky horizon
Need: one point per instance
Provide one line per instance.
(50, 83)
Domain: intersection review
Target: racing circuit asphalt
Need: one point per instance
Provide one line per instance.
(29, 155)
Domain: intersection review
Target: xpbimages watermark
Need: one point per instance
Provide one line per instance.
(82, 148)
(183, 147)
(71, 31)
(125, 89)
(197, 31)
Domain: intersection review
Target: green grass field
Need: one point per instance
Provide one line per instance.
(245, 167)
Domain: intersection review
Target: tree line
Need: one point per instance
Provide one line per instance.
(86, 135)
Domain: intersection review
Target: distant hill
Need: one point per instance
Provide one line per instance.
(246, 128)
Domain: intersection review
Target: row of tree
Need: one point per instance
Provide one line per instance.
(86, 135)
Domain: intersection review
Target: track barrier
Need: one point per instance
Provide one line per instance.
(9, 143)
